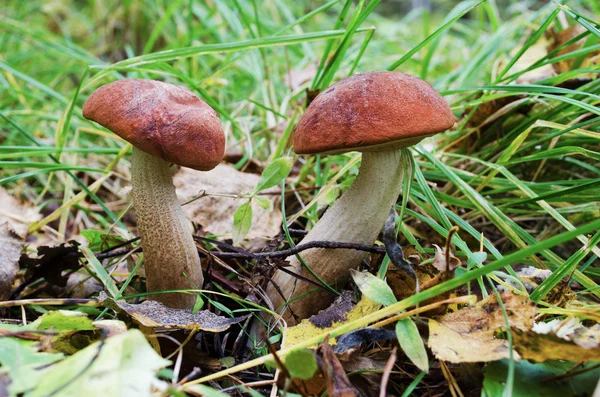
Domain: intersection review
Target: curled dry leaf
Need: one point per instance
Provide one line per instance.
(336, 380)
(52, 262)
(18, 215)
(153, 314)
(439, 262)
(468, 335)
(14, 221)
(540, 347)
(561, 37)
(10, 250)
(559, 340)
(532, 277)
(363, 336)
(215, 213)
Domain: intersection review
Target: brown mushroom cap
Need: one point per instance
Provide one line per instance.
(372, 111)
(162, 119)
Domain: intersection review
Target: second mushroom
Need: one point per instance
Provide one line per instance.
(379, 114)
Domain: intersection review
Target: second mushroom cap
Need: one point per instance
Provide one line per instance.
(372, 111)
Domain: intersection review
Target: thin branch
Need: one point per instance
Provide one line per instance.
(239, 253)
(302, 247)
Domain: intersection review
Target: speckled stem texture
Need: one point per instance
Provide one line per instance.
(171, 260)
(357, 217)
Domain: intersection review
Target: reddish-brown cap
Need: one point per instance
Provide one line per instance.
(372, 111)
(162, 119)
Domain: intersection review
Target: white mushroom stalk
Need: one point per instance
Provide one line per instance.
(357, 217)
(164, 231)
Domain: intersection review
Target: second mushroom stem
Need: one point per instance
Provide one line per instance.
(357, 217)
(171, 259)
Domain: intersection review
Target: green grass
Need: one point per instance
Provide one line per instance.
(528, 174)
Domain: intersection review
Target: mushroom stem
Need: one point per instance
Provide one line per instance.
(171, 259)
(357, 217)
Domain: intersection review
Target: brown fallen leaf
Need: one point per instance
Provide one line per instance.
(336, 380)
(18, 215)
(215, 213)
(111, 327)
(14, 221)
(153, 314)
(544, 347)
(468, 335)
(401, 283)
(306, 329)
(533, 54)
(10, 251)
(559, 38)
(532, 277)
(439, 261)
(335, 313)
(559, 339)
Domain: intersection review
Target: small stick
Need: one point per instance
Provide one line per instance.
(283, 368)
(386, 373)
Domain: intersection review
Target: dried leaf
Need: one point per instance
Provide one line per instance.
(307, 329)
(362, 336)
(153, 314)
(334, 313)
(10, 250)
(336, 380)
(215, 213)
(559, 340)
(468, 335)
(560, 38)
(533, 54)
(18, 215)
(532, 277)
(52, 262)
(540, 348)
(439, 262)
(111, 327)
(14, 221)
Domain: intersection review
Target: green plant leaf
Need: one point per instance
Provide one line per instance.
(412, 343)
(96, 268)
(207, 391)
(19, 359)
(198, 305)
(476, 258)
(533, 376)
(99, 240)
(242, 220)
(274, 173)
(374, 288)
(65, 320)
(124, 364)
(301, 364)
(264, 203)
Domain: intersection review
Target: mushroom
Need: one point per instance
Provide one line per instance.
(165, 124)
(379, 114)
